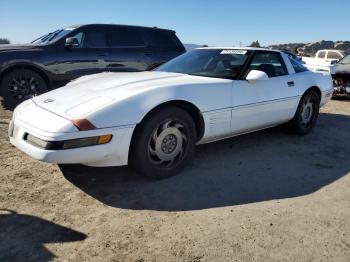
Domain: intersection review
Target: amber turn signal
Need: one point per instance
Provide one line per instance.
(104, 139)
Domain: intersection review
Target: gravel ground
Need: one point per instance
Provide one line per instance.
(267, 196)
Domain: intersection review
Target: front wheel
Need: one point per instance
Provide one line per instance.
(163, 143)
(20, 85)
(307, 113)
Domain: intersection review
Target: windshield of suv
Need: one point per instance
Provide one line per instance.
(220, 63)
(53, 36)
(345, 60)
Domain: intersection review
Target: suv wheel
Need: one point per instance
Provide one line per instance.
(20, 85)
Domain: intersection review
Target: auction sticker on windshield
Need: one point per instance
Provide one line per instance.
(233, 51)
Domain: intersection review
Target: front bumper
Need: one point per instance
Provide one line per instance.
(114, 153)
(341, 90)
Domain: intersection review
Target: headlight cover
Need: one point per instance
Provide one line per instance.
(67, 144)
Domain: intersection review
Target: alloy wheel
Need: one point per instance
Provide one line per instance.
(22, 87)
(167, 144)
(308, 111)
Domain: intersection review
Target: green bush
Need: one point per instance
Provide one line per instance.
(4, 41)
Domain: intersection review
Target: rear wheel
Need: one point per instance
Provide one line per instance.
(163, 143)
(20, 85)
(307, 113)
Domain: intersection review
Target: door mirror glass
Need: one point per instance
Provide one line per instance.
(72, 42)
(256, 75)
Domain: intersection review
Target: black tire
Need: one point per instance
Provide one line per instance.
(307, 113)
(151, 143)
(19, 85)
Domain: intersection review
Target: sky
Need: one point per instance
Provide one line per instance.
(217, 23)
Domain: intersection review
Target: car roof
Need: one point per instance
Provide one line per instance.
(324, 50)
(240, 48)
(134, 26)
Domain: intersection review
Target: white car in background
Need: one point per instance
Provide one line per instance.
(153, 120)
(324, 60)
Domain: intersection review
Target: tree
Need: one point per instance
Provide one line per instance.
(4, 41)
(295, 50)
(255, 44)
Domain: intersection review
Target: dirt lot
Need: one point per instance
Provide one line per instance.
(267, 196)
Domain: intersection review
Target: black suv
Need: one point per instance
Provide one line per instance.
(58, 57)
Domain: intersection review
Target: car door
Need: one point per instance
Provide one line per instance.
(264, 103)
(128, 49)
(91, 56)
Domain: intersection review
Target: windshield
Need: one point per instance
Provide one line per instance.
(221, 63)
(53, 36)
(344, 53)
(345, 60)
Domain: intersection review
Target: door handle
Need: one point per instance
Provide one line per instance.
(290, 83)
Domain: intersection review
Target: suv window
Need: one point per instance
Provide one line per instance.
(321, 54)
(164, 39)
(298, 67)
(333, 55)
(79, 36)
(270, 63)
(94, 39)
(125, 37)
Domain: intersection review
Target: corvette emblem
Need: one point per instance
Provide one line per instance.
(49, 100)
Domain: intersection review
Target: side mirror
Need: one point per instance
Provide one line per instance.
(255, 75)
(71, 42)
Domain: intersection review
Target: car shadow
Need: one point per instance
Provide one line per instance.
(22, 237)
(256, 167)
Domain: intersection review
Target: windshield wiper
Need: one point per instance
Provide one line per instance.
(44, 38)
(212, 76)
(40, 37)
(54, 35)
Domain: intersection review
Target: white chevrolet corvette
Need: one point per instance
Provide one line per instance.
(153, 120)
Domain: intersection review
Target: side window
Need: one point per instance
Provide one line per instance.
(321, 54)
(270, 63)
(94, 39)
(125, 37)
(333, 55)
(225, 64)
(79, 36)
(163, 39)
(298, 67)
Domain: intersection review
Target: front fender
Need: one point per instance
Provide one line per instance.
(131, 111)
(20, 62)
(36, 59)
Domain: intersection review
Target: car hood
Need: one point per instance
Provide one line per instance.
(6, 47)
(342, 68)
(90, 93)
